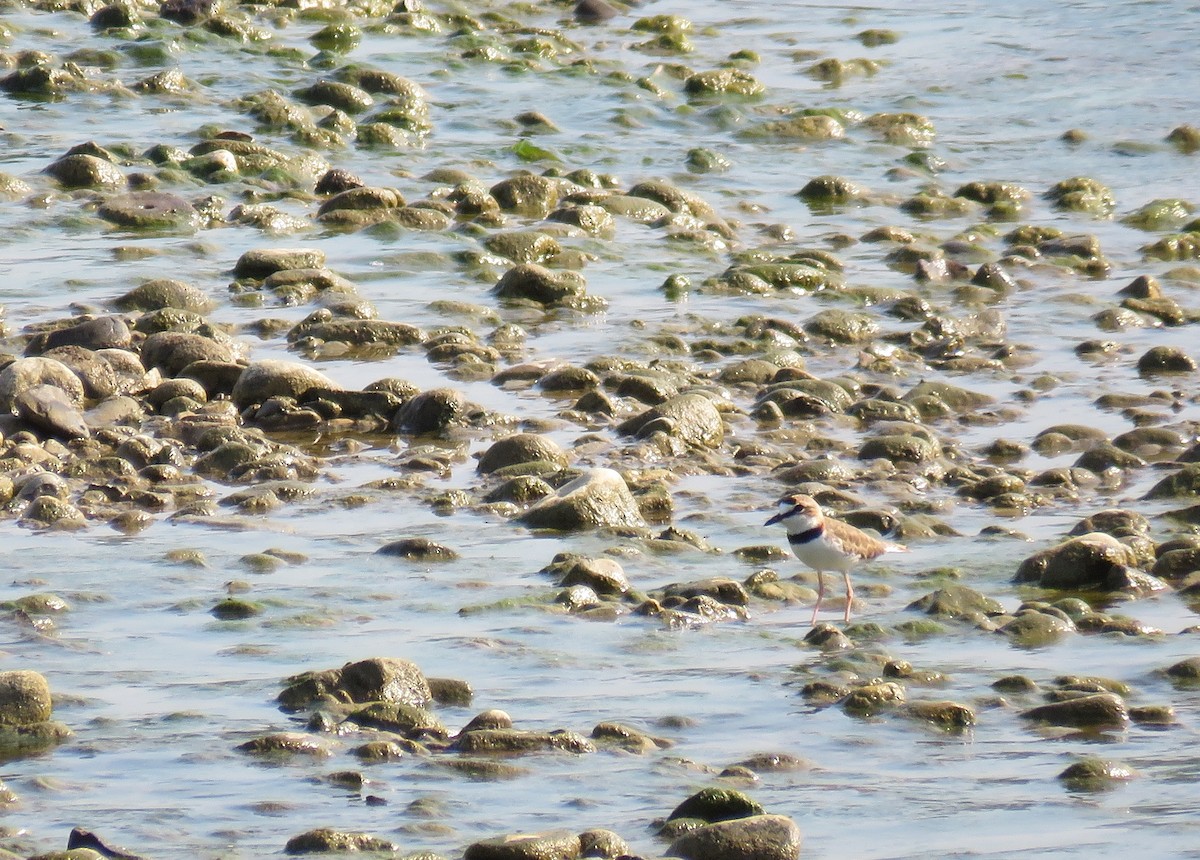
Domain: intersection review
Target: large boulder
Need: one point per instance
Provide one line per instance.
(596, 499)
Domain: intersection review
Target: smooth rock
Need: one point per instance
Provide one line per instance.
(757, 837)
(597, 499)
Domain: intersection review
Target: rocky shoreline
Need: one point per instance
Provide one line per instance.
(150, 407)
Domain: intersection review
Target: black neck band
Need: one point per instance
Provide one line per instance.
(806, 536)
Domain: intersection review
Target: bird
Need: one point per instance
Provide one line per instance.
(826, 544)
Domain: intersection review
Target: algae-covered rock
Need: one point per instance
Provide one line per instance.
(1086, 561)
(1100, 711)
(325, 840)
(691, 418)
(519, 741)
(722, 82)
(379, 679)
(717, 804)
(956, 601)
(1082, 194)
(24, 698)
(535, 283)
(1096, 774)
(556, 845)
(756, 837)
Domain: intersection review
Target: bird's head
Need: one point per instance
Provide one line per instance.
(798, 513)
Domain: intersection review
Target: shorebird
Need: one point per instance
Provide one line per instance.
(825, 544)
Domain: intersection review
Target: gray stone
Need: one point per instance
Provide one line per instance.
(268, 378)
(25, 373)
(596, 499)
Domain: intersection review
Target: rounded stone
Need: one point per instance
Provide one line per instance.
(164, 293)
(142, 210)
(757, 837)
(171, 351)
(24, 698)
(596, 499)
(26, 373)
(520, 448)
(262, 380)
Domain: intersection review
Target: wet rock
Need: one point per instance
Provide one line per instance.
(432, 411)
(590, 218)
(947, 715)
(1115, 522)
(871, 699)
(149, 210)
(418, 549)
(357, 332)
(597, 499)
(827, 638)
(557, 845)
(1095, 774)
(170, 352)
(86, 171)
(595, 12)
(1082, 194)
(532, 196)
(325, 840)
(536, 283)
(1183, 483)
(85, 839)
(1100, 711)
(46, 511)
(164, 293)
(1165, 359)
(603, 575)
(106, 332)
(720, 82)
(1086, 561)
(407, 720)
(267, 378)
(379, 679)
(521, 448)
(758, 837)
(49, 409)
(842, 326)
(524, 246)
(24, 698)
(1185, 671)
(262, 262)
(361, 199)
(26, 373)
(1175, 564)
(602, 843)
(693, 419)
(900, 448)
(1032, 629)
(717, 804)
(287, 744)
(518, 741)
(957, 601)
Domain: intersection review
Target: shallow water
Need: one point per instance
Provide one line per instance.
(159, 693)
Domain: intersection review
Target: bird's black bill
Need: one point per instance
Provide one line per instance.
(773, 520)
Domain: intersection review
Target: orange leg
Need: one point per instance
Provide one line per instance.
(849, 594)
(820, 597)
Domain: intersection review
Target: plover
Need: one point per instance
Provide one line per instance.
(825, 544)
